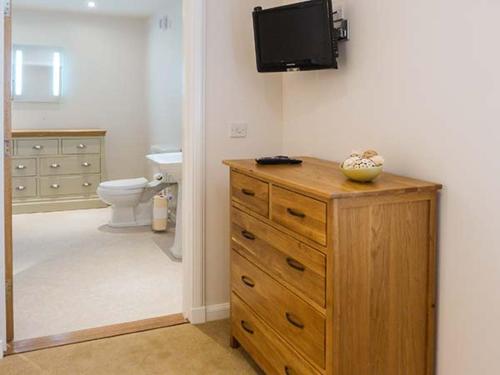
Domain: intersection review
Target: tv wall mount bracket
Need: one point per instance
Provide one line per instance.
(340, 27)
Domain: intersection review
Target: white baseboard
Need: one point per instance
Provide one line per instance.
(200, 315)
(2, 349)
(218, 312)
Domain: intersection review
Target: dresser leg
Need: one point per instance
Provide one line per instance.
(234, 343)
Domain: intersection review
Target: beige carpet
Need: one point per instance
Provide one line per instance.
(183, 350)
(72, 272)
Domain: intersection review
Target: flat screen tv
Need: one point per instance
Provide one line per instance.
(295, 37)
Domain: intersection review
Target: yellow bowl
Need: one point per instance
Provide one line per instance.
(363, 175)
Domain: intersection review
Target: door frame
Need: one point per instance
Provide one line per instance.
(193, 195)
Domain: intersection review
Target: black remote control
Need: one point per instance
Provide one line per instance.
(275, 160)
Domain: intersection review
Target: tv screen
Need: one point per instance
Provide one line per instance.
(295, 37)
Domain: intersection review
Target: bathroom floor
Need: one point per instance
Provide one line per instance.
(73, 272)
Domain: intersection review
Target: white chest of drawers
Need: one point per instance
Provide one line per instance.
(55, 170)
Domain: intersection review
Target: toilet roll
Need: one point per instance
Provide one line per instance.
(160, 214)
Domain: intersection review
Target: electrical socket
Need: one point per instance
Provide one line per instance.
(239, 130)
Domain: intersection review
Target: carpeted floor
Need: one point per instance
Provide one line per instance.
(181, 350)
(72, 272)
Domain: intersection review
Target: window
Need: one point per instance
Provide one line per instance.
(37, 74)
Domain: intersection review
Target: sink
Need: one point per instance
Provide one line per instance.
(169, 163)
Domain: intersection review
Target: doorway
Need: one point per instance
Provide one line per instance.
(196, 297)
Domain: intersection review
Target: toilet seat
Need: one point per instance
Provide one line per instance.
(130, 184)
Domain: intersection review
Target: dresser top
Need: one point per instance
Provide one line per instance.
(325, 179)
(34, 133)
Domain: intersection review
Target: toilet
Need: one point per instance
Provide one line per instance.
(131, 200)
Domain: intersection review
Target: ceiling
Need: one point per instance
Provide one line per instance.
(116, 7)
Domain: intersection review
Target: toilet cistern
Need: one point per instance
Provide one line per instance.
(170, 163)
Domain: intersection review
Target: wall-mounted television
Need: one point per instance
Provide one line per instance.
(293, 37)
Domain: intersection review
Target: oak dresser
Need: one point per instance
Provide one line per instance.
(330, 276)
(56, 170)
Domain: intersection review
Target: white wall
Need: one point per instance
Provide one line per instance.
(419, 82)
(165, 77)
(3, 323)
(104, 81)
(235, 92)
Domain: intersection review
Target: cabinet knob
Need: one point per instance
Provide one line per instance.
(87, 184)
(296, 213)
(21, 188)
(55, 166)
(246, 326)
(20, 166)
(38, 147)
(86, 165)
(82, 146)
(55, 186)
(294, 321)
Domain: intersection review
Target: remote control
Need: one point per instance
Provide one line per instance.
(277, 160)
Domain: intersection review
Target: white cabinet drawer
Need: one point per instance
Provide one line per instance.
(23, 187)
(24, 167)
(81, 146)
(69, 185)
(64, 165)
(36, 147)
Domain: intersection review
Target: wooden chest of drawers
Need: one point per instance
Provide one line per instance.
(56, 169)
(330, 276)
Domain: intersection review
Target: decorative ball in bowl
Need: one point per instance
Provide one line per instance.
(363, 166)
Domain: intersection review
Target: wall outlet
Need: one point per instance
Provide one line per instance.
(239, 130)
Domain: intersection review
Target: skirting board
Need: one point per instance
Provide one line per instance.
(61, 205)
(200, 315)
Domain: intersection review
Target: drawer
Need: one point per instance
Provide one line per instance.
(250, 192)
(64, 165)
(269, 350)
(24, 187)
(24, 167)
(81, 146)
(69, 185)
(35, 147)
(304, 215)
(284, 258)
(299, 323)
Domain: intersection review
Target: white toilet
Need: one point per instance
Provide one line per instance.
(130, 200)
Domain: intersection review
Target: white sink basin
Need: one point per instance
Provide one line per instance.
(169, 163)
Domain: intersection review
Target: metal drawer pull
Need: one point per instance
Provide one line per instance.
(81, 146)
(55, 186)
(250, 193)
(246, 327)
(87, 184)
(294, 321)
(248, 235)
(38, 147)
(296, 213)
(21, 188)
(86, 165)
(288, 370)
(55, 165)
(295, 264)
(20, 166)
(248, 281)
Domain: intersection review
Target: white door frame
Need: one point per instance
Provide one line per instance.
(193, 218)
(193, 195)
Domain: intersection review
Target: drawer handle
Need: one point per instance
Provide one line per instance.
(288, 370)
(248, 235)
(38, 147)
(86, 165)
(21, 188)
(55, 166)
(296, 213)
(87, 184)
(82, 146)
(20, 166)
(246, 327)
(250, 193)
(55, 186)
(248, 281)
(294, 321)
(295, 264)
